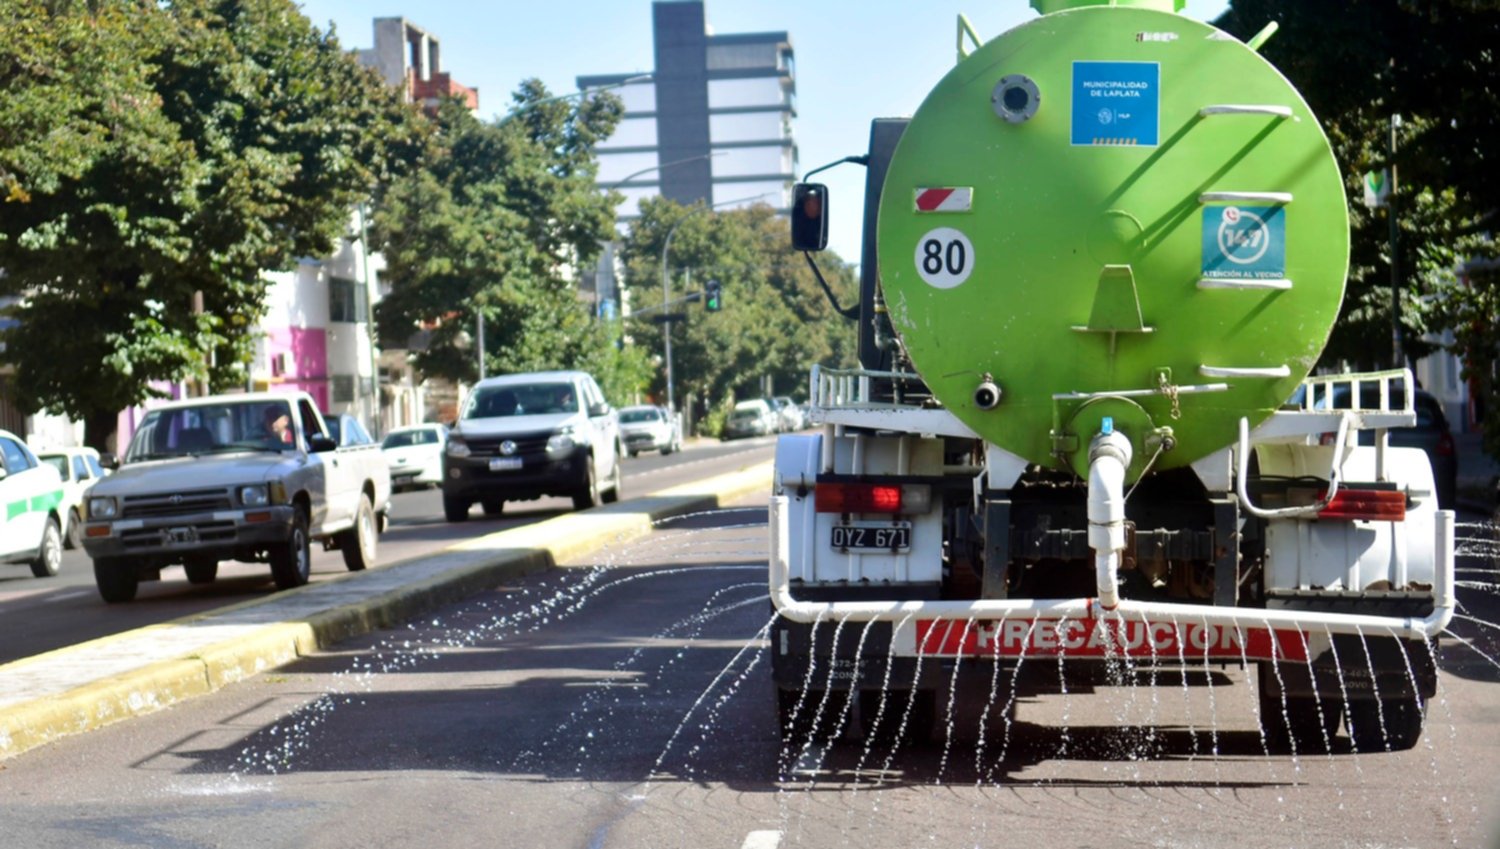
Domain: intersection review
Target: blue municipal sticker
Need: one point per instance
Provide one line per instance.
(1116, 103)
(1244, 242)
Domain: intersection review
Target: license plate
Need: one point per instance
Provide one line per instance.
(505, 464)
(873, 538)
(179, 536)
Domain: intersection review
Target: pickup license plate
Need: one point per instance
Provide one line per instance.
(505, 464)
(873, 538)
(179, 536)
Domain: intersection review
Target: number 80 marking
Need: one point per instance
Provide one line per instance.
(944, 257)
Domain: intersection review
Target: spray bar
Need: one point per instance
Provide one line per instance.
(1416, 628)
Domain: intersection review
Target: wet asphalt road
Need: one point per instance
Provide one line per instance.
(630, 706)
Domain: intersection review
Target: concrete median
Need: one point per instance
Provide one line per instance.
(88, 686)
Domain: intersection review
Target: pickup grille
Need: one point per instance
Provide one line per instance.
(174, 504)
(527, 444)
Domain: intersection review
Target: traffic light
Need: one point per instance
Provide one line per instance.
(712, 296)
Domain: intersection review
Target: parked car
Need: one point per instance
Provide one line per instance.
(415, 455)
(31, 523)
(649, 428)
(525, 436)
(1431, 433)
(792, 418)
(751, 418)
(79, 469)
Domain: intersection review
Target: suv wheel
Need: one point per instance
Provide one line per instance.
(455, 509)
(616, 483)
(48, 560)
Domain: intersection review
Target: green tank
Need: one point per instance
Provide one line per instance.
(1113, 212)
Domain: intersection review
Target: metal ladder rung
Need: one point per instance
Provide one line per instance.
(1279, 283)
(1220, 371)
(1246, 197)
(1245, 109)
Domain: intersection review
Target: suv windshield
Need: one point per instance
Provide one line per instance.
(212, 428)
(492, 402)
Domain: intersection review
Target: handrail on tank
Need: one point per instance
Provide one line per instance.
(1410, 627)
(1242, 474)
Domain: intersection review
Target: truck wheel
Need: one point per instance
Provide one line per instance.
(1302, 725)
(1403, 724)
(668, 448)
(616, 483)
(291, 561)
(358, 543)
(74, 537)
(116, 579)
(492, 506)
(455, 509)
(201, 571)
(587, 496)
(922, 705)
(48, 560)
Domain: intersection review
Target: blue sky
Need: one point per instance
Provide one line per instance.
(856, 59)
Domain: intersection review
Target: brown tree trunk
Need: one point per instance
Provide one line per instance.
(99, 428)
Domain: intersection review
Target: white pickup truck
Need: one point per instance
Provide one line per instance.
(251, 477)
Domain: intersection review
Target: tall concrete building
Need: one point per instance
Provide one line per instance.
(713, 123)
(410, 59)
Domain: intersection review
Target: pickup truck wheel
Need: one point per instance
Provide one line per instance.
(74, 537)
(116, 579)
(201, 571)
(587, 495)
(291, 561)
(455, 509)
(358, 543)
(1390, 725)
(48, 560)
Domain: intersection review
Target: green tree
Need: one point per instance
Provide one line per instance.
(490, 226)
(230, 137)
(1434, 63)
(776, 320)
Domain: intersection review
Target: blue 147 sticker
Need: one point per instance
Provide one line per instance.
(1244, 242)
(945, 257)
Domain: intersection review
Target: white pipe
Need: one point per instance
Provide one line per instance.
(1410, 627)
(1109, 456)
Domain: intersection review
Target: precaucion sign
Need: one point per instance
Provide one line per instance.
(1244, 242)
(1116, 103)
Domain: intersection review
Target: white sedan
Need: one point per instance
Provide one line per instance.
(30, 524)
(415, 455)
(79, 469)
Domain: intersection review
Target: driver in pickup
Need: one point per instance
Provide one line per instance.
(278, 425)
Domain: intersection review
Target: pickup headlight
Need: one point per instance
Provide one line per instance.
(103, 508)
(562, 442)
(258, 495)
(457, 447)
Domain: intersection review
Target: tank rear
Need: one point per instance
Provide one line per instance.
(1114, 213)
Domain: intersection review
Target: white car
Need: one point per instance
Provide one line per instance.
(30, 522)
(415, 455)
(649, 428)
(79, 469)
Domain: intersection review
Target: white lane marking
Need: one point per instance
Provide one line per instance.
(762, 840)
(65, 596)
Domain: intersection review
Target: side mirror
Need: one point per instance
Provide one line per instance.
(597, 410)
(320, 443)
(809, 217)
(109, 461)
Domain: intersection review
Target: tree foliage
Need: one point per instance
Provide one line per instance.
(1434, 63)
(775, 323)
(491, 226)
(152, 151)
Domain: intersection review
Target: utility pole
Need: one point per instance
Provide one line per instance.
(1398, 348)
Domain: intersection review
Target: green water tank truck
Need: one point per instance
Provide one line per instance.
(1100, 262)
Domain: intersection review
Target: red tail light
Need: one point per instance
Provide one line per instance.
(857, 498)
(1370, 505)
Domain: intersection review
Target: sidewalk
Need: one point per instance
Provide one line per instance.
(94, 684)
(1477, 474)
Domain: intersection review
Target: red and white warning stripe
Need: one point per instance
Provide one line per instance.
(950, 199)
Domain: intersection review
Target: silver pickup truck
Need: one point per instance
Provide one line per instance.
(251, 477)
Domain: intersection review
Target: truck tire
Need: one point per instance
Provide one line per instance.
(116, 579)
(492, 506)
(587, 495)
(455, 509)
(616, 483)
(1402, 724)
(48, 561)
(359, 542)
(1302, 728)
(74, 537)
(201, 571)
(291, 561)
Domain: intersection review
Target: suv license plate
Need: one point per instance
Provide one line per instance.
(894, 539)
(505, 464)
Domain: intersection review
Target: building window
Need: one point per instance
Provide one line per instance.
(347, 301)
(755, 91)
(736, 57)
